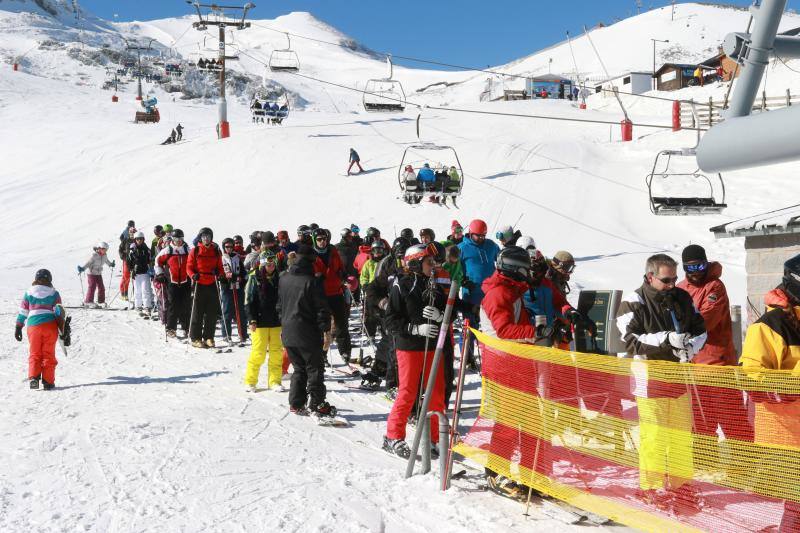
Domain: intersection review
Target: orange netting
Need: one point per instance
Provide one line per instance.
(652, 444)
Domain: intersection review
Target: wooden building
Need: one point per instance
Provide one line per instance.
(674, 76)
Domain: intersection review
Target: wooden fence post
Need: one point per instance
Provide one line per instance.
(710, 111)
(788, 98)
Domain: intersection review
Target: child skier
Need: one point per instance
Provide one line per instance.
(139, 259)
(265, 323)
(41, 308)
(94, 275)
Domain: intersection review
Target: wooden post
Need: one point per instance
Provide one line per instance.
(694, 123)
(710, 111)
(763, 100)
(788, 98)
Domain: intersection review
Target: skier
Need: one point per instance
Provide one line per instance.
(478, 256)
(356, 234)
(171, 271)
(41, 309)
(179, 130)
(408, 234)
(265, 323)
(507, 236)
(158, 234)
(270, 244)
(286, 245)
(348, 251)
(371, 315)
(171, 138)
(303, 236)
(305, 318)
(95, 275)
(124, 235)
(204, 266)
(329, 266)
(231, 287)
(562, 265)
(415, 310)
(253, 252)
(354, 160)
(456, 234)
(426, 177)
(126, 242)
(139, 266)
(453, 264)
(426, 235)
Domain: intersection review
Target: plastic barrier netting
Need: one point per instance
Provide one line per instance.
(651, 444)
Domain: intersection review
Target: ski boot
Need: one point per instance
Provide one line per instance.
(250, 388)
(35, 383)
(396, 447)
(46, 385)
(370, 381)
(210, 343)
(505, 487)
(198, 344)
(299, 411)
(278, 387)
(391, 394)
(171, 333)
(324, 410)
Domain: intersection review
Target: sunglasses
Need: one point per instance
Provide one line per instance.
(564, 267)
(667, 281)
(699, 267)
(229, 246)
(321, 239)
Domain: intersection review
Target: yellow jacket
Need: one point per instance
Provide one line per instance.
(368, 272)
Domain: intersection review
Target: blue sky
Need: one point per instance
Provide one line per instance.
(464, 32)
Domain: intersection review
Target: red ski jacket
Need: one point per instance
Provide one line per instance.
(173, 259)
(503, 312)
(205, 261)
(332, 272)
(711, 299)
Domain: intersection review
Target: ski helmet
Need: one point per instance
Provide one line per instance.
(283, 235)
(526, 243)
(399, 247)
(139, 235)
(177, 234)
(101, 244)
(427, 232)
(346, 232)
(441, 253)
(43, 275)
(354, 228)
(373, 232)
(791, 278)
(168, 228)
(407, 233)
(505, 233)
(478, 227)
(206, 231)
(378, 246)
(313, 226)
(227, 241)
(131, 224)
(515, 263)
(302, 229)
(158, 230)
(415, 255)
(237, 239)
(267, 237)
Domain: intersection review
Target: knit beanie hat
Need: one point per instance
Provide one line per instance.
(694, 252)
(455, 225)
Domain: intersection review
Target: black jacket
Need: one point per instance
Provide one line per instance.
(303, 309)
(139, 259)
(262, 300)
(348, 252)
(645, 321)
(408, 296)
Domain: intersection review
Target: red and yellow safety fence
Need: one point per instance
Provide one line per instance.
(655, 445)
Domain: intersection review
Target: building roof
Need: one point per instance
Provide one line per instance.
(675, 65)
(550, 77)
(775, 222)
(624, 74)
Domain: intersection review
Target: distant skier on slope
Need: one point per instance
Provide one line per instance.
(95, 275)
(171, 138)
(354, 160)
(179, 130)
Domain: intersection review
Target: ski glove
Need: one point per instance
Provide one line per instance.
(113, 263)
(430, 331)
(161, 278)
(684, 356)
(431, 313)
(80, 269)
(195, 276)
(18, 333)
(679, 341)
(468, 284)
(383, 304)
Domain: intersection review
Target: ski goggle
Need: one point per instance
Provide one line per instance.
(698, 267)
(355, 229)
(564, 266)
(502, 236)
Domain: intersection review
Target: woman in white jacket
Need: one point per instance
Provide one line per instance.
(94, 273)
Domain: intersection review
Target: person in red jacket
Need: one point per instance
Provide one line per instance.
(330, 268)
(204, 266)
(720, 406)
(504, 316)
(170, 269)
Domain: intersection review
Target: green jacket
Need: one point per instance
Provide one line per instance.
(455, 271)
(368, 272)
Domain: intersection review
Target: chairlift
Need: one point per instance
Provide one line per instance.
(267, 110)
(443, 161)
(695, 192)
(285, 60)
(384, 95)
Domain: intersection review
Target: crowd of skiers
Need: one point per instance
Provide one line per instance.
(294, 297)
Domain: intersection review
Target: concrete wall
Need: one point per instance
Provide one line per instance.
(765, 257)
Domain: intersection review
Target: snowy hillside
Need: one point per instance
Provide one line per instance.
(149, 436)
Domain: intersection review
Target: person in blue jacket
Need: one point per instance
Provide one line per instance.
(426, 176)
(478, 256)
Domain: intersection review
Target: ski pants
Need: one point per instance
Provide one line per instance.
(178, 302)
(125, 280)
(386, 353)
(42, 340)
(95, 282)
(410, 367)
(265, 340)
(341, 316)
(160, 295)
(665, 442)
(230, 303)
(372, 317)
(206, 312)
(143, 291)
(308, 376)
(357, 163)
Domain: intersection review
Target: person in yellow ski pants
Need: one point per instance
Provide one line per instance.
(261, 300)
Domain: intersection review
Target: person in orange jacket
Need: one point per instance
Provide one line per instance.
(720, 406)
(204, 266)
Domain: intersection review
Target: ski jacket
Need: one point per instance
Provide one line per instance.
(645, 321)
(348, 252)
(385, 273)
(478, 264)
(302, 306)
(711, 299)
(451, 240)
(426, 175)
(503, 314)
(368, 272)
(231, 264)
(290, 247)
(513, 240)
(125, 247)
(174, 259)
(354, 155)
(455, 270)
(95, 263)
(361, 258)
(409, 295)
(329, 264)
(139, 259)
(205, 261)
(39, 306)
(262, 299)
(546, 300)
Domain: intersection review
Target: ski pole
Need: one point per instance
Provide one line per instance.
(462, 372)
(110, 277)
(236, 312)
(691, 374)
(191, 316)
(83, 293)
(224, 328)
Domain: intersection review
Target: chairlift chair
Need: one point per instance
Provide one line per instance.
(684, 204)
(285, 60)
(384, 95)
(440, 158)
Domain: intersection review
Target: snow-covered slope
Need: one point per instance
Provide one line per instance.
(174, 444)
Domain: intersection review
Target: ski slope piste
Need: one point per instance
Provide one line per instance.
(143, 431)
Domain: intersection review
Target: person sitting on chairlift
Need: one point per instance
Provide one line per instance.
(426, 177)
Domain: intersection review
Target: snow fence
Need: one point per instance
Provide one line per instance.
(637, 441)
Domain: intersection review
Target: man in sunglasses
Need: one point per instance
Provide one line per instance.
(561, 267)
(329, 267)
(659, 322)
